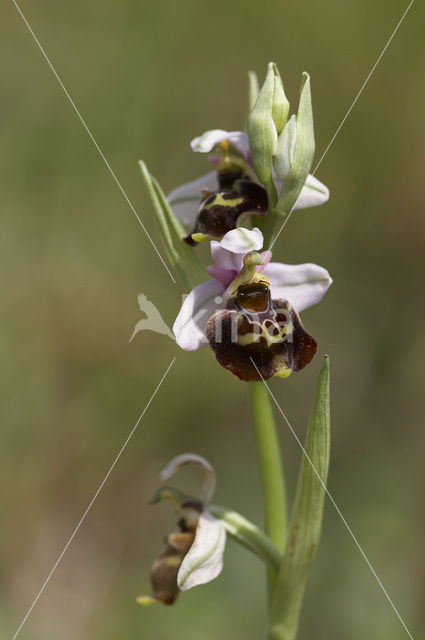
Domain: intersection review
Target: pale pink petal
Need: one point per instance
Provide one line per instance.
(225, 276)
(301, 284)
(208, 140)
(228, 254)
(313, 194)
(225, 259)
(196, 310)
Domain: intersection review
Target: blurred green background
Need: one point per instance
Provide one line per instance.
(147, 78)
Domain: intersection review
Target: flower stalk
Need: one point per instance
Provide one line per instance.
(271, 469)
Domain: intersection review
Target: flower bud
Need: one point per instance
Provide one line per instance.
(280, 108)
(285, 149)
(262, 133)
(265, 122)
(295, 151)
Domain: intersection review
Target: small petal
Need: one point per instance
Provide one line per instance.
(208, 484)
(303, 285)
(241, 241)
(185, 200)
(230, 251)
(312, 194)
(197, 308)
(204, 560)
(226, 259)
(208, 140)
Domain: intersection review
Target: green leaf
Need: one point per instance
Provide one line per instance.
(248, 535)
(306, 520)
(303, 152)
(182, 258)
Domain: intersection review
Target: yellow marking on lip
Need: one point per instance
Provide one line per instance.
(249, 338)
(173, 561)
(220, 201)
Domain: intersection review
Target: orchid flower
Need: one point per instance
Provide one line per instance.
(194, 555)
(220, 189)
(252, 289)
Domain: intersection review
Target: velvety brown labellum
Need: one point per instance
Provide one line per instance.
(220, 211)
(167, 564)
(274, 338)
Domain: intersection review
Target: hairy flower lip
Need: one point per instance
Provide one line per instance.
(185, 199)
(257, 355)
(221, 210)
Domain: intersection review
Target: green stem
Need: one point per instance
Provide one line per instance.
(269, 226)
(271, 471)
(248, 535)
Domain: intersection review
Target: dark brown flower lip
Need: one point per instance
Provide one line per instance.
(165, 568)
(220, 211)
(257, 346)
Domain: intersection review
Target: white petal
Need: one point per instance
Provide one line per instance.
(301, 284)
(196, 310)
(208, 484)
(208, 140)
(224, 258)
(312, 194)
(204, 560)
(185, 200)
(240, 241)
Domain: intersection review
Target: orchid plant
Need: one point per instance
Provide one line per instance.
(246, 309)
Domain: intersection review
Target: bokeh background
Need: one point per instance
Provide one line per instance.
(147, 78)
